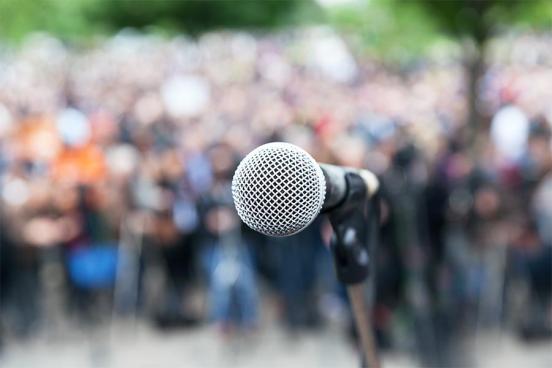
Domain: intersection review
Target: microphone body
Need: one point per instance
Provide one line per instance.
(279, 189)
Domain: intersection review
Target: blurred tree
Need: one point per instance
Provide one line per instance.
(61, 17)
(474, 22)
(377, 28)
(194, 16)
(71, 19)
(406, 27)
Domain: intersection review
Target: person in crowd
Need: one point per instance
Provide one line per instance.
(226, 255)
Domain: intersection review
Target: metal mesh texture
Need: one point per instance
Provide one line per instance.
(278, 189)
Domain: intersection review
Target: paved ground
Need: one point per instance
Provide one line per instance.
(137, 345)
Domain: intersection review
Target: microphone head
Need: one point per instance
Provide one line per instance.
(278, 189)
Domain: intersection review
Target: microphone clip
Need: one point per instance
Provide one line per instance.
(355, 222)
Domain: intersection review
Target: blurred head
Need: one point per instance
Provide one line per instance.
(223, 160)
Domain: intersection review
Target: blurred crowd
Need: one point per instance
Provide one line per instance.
(116, 159)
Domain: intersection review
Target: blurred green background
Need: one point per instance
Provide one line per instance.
(377, 25)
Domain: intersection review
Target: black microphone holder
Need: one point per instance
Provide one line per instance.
(355, 222)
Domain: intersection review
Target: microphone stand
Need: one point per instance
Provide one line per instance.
(355, 222)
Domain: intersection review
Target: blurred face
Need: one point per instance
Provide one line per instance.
(165, 229)
(172, 165)
(66, 198)
(41, 192)
(459, 166)
(487, 202)
(222, 161)
(221, 220)
(539, 149)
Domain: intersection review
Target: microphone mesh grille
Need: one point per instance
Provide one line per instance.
(278, 189)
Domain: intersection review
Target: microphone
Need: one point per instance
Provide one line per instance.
(279, 189)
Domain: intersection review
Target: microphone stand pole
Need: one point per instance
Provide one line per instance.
(355, 222)
(364, 325)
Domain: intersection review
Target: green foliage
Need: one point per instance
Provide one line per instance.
(380, 28)
(400, 30)
(62, 17)
(535, 15)
(197, 16)
(392, 29)
(80, 18)
(481, 19)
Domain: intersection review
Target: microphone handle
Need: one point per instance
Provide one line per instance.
(336, 185)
